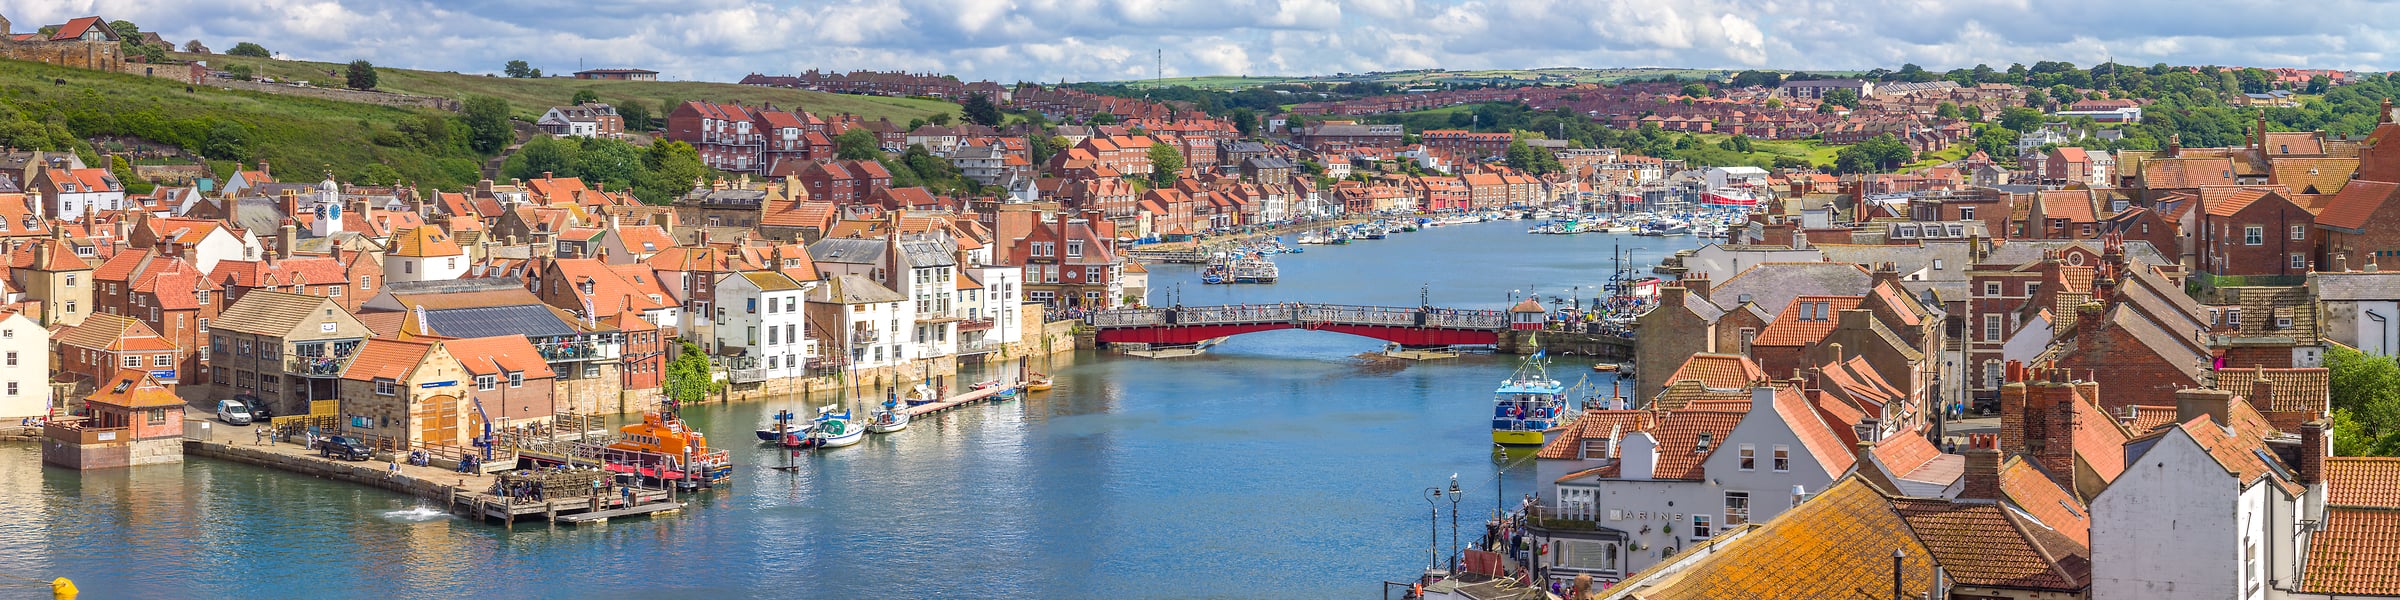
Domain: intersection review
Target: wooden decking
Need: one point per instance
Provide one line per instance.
(958, 400)
(572, 511)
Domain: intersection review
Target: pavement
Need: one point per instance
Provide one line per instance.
(247, 436)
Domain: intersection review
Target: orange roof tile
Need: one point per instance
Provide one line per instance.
(498, 355)
(1719, 371)
(2032, 490)
(1806, 320)
(134, 388)
(1823, 548)
(2354, 553)
(2365, 482)
(1985, 545)
(386, 359)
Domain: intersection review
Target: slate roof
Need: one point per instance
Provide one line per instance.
(848, 251)
(486, 321)
(2019, 252)
(1775, 284)
(270, 313)
(853, 289)
(2353, 286)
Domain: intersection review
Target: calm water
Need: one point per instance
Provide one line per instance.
(1279, 465)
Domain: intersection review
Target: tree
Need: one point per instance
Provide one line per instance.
(857, 144)
(583, 96)
(980, 110)
(609, 161)
(2318, 84)
(941, 119)
(689, 378)
(1166, 164)
(674, 167)
(487, 124)
(1245, 122)
(360, 75)
(558, 157)
(1843, 97)
(2020, 119)
(1971, 113)
(1101, 118)
(1695, 90)
(125, 30)
(1524, 157)
(228, 140)
(1946, 110)
(635, 114)
(1879, 154)
(249, 49)
(1774, 103)
(241, 72)
(376, 174)
(2365, 394)
(518, 69)
(194, 47)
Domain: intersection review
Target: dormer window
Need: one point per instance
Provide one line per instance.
(1702, 446)
(1595, 448)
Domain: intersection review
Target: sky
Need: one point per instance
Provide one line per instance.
(1101, 40)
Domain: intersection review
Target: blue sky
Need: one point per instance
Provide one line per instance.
(1081, 40)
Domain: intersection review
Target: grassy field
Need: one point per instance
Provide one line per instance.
(530, 97)
(300, 135)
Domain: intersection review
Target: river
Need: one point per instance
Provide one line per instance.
(1277, 465)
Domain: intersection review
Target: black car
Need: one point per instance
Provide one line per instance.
(344, 447)
(258, 408)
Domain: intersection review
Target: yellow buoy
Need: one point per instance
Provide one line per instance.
(62, 589)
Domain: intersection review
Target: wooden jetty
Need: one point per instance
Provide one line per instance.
(958, 400)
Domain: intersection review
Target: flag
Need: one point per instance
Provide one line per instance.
(1538, 352)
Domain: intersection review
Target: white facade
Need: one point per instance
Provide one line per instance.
(2360, 310)
(763, 316)
(2228, 540)
(1722, 177)
(25, 372)
(1001, 301)
(221, 244)
(424, 268)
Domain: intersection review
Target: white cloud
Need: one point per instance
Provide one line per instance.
(1047, 40)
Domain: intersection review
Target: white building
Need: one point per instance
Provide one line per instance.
(872, 322)
(425, 253)
(2360, 310)
(25, 372)
(1654, 482)
(72, 192)
(1731, 177)
(2204, 509)
(925, 271)
(763, 325)
(994, 298)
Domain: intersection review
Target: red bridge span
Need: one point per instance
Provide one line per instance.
(1191, 325)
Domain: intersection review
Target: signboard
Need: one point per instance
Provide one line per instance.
(437, 384)
(164, 374)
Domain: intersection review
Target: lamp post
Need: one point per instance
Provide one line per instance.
(1433, 528)
(1455, 496)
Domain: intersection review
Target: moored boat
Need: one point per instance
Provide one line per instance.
(1529, 407)
(1039, 383)
(663, 448)
(785, 425)
(887, 419)
(833, 429)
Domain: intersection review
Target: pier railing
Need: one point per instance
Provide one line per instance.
(1338, 314)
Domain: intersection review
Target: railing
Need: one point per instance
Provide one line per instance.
(752, 375)
(73, 432)
(974, 325)
(577, 350)
(979, 347)
(1563, 518)
(1338, 314)
(316, 366)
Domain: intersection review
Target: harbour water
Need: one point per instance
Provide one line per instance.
(1277, 465)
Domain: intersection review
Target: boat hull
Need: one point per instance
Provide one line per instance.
(851, 438)
(888, 428)
(1522, 437)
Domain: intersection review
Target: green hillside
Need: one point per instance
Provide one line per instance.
(529, 97)
(56, 108)
(1550, 76)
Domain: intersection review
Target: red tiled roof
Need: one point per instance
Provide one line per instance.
(1719, 371)
(386, 359)
(2356, 204)
(2364, 482)
(1792, 329)
(1678, 434)
(1595, 424)
(1985, 545)
(2037, 494)
(2354, 553)
(1815, 435)
(500, 354)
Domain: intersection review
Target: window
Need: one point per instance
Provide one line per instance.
(485, 382)
(2299, 261)
(1783, 458)
(70, 280)
(1991, 328)
(160, 361)
(385, 387)
(2299, 232)
(12, 358)
(1966, 213)
(157, 416)
(1588, 555)
(70, 307)
(1991, 288)
(2033, 288)
(516, 379)
(2233, 317)
(1702, 444)
(1737, 508)
(409, 267)
(1091, 274)
(1749, 454)
(1699, 527)
(2254, 235)
(1594, 448)
(366, 282)
(12, 389)
(203, 324)
(133, 361)
(1075, 249)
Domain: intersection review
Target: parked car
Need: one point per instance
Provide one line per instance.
(344, 447)
(258, 408)
(233, 412)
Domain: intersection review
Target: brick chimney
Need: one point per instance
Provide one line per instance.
(2312, 452)
(1697, 284)
(1982, 479)
(1887, 272)
(2262, 390)
(2214, 403)
(2013, 407)
(285, 237)
(1671, 295)
(2054, 443)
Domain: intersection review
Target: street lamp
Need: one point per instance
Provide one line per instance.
(1455, 496)
(1433, 528)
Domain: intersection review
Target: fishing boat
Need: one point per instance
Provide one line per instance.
(1215, 273)
(1256, 268)
(662, 448)
(920, 395)
(1039, 383)
(1530, 408)
(1606, 367)
(887, 419)
(785, 424)
(833, 429)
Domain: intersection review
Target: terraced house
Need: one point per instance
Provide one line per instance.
(287, 349)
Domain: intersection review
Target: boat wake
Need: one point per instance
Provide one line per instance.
(419, 514)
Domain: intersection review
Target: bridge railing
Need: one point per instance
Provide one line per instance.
(1240, 313)
(1466, 319)
(1131, 317)
(1358, 315)
(1341, 314)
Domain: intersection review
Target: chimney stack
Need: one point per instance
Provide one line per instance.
(1983, 468)
(285, 237)
(2312, 452)
(2262, 390)
(2216, 404)
(1697, 284)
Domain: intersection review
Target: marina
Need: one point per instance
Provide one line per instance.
(1109, 485)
